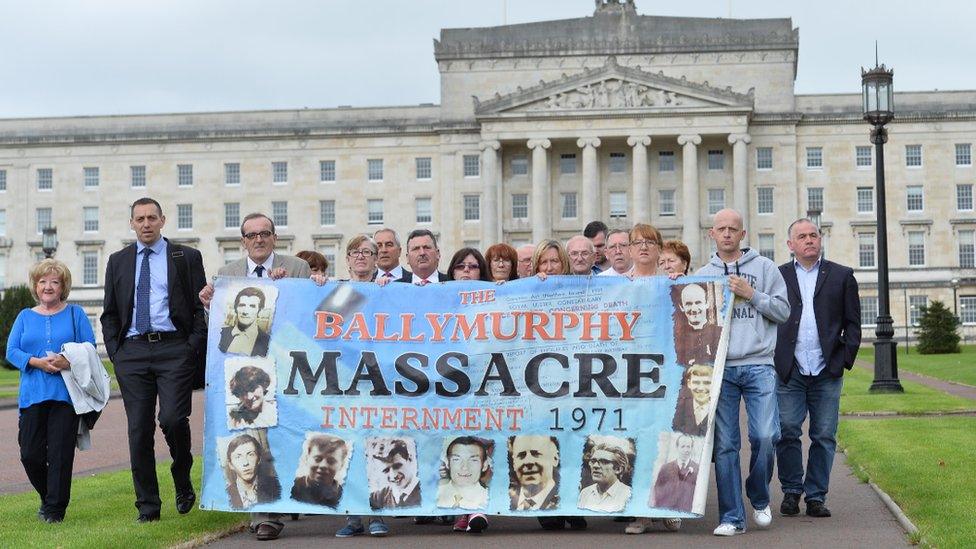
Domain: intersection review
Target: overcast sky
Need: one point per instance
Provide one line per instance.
(82, 57)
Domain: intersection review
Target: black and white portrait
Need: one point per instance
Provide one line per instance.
(694, 399)
(676, 472)
(391, 473)
(467, 467)
(251, 385)
(696, 329)
(533, 472)
(249, 469)
(321, 470)
(247, 327)
(607, 473)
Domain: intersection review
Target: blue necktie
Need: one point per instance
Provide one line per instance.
(142, 294)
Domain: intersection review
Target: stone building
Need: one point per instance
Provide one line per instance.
(541, 128)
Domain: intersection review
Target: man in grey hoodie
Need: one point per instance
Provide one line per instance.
(760, 304)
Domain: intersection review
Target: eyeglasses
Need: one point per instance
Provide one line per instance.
(603, 462)
(644, 243)
(262, 234)
(579, 254)
(617, 247)
(361, 253)
(501, 260)
(525, 260)
(466, 267)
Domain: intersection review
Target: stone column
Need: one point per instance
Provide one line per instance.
(690, 204)
(541, 195)
(641, 210)
(740, 171)
(492, 185)
(590, 195)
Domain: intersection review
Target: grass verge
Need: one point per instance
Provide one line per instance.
(960, 367)
(917, 398)
(928, 474)
(102, 514)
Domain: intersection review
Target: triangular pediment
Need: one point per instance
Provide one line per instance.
(614, 88)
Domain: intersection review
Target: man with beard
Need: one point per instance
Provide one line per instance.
(691, 414)
(695, 340)
(608, 493)
(251, 482)
(244, 337)
(250, 385)
(324, 457)
(402, 484)
(675, 484)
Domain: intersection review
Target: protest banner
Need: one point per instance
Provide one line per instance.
(568, 396)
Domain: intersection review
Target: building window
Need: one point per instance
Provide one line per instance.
(567, 164)
(964, 154)
(472, 165)
(43, 216)
(329, 252)
(423, 168)
(327, 172)
(665, 161)
(91, 178)
(814, 158)
(89, 268)
(967, 249)
(618, 162)
(764, 200)
(3, 226)
(915, 305)
(764, 158)
(618, 204)
(716, 200)
(716, 160)
(767, 245)
(865, 200)
(45, 179)
(184, 216)
(915, 198)
(869, 310)
(472, 207)
(916, 249)
(967, 309)
(137, 177)
(964, 197)
(913, 156)
(374, 211)
(231, 255)
(232, 215)
(3, 182)
(374, 169)
(185, 175)
(3, 271)
(568, 201)
(327, 213)
(89, 217)
(520, 206)
(815, 199)
(232, 174)
(279, 213)
(279, 172)
(424, 209)
(519, 164)
(862, 157)
(666, 202)
(865, 250)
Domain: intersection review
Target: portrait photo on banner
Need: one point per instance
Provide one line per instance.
(322, 469)
(250, 313)
(694, 398)
(250, 385)
(676, 471)
(607, 473)
(533, 472)
(697, 326)
(392, 473)
(466, 470)
(248, 469)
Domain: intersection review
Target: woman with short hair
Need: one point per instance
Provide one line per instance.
(502, 261)
(361, 258)
(468, 264)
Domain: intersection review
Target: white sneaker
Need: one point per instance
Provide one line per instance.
(672, 524)
(762, 517)
(727, 529)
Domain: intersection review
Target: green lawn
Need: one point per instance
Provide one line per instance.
(102, 514)
(960, 368)
(916, 399)
(10, 380)
(926, 465)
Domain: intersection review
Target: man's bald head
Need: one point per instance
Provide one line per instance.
(727, 232)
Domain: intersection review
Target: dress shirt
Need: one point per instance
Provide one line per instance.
(537, 499)
(612, 272)
(808, 354)
(416, 279)
(395, 274)
(474, 496)
(248, 492)
(159, 320)
(400, 496)
(242, 341)
(701, 411)
(267, 267)
(613, 500)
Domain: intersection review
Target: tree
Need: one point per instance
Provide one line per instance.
(14, 300)
(937, 330)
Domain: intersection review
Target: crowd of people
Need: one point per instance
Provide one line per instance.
(795, 328)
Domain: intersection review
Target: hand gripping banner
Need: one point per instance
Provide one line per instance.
(568, 396)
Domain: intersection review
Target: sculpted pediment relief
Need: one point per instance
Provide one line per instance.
(613, 87)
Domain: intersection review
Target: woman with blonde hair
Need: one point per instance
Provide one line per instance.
(550, 258)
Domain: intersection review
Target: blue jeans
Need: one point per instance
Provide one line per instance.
(820, 396)
(756, 384)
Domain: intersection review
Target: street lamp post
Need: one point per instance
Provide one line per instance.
(49, 241)
(878, 95)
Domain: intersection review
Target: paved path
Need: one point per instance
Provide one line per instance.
(956, 389)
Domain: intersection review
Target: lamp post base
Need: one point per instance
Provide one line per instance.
(885, 368)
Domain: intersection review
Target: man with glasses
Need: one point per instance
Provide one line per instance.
(608, 493)
(596, 232)
(618, 253)
(581, 255)
(388, 252)
(525, 253)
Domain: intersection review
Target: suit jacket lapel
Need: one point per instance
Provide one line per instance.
(792, 285)
(821, 276)
(128, 284)
(171, 275)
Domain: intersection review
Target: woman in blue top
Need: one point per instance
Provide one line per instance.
(48, 423)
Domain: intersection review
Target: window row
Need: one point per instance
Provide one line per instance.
(864, 156)
(914, 198)
(869, 309)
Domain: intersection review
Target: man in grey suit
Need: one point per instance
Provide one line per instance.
(258, 238)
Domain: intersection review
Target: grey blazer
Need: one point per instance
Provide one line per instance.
(296, 268)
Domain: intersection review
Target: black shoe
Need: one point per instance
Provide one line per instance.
(790, 505)
(817, 509)
(576, 523)
(184, 502)
(148, 517)
(424, 520)
(552, 523)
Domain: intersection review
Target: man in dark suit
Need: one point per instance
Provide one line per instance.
(813, 348)
(534, 475)
(674, 487)
(691, 413)
(423, 257)
(155, 331)
(388, 252)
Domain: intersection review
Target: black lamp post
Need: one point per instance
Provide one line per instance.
(879, 108)
(49, 241)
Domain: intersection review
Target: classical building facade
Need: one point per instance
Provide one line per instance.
(541, 128)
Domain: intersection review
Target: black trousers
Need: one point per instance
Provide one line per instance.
(47, 434)
(147, 372)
